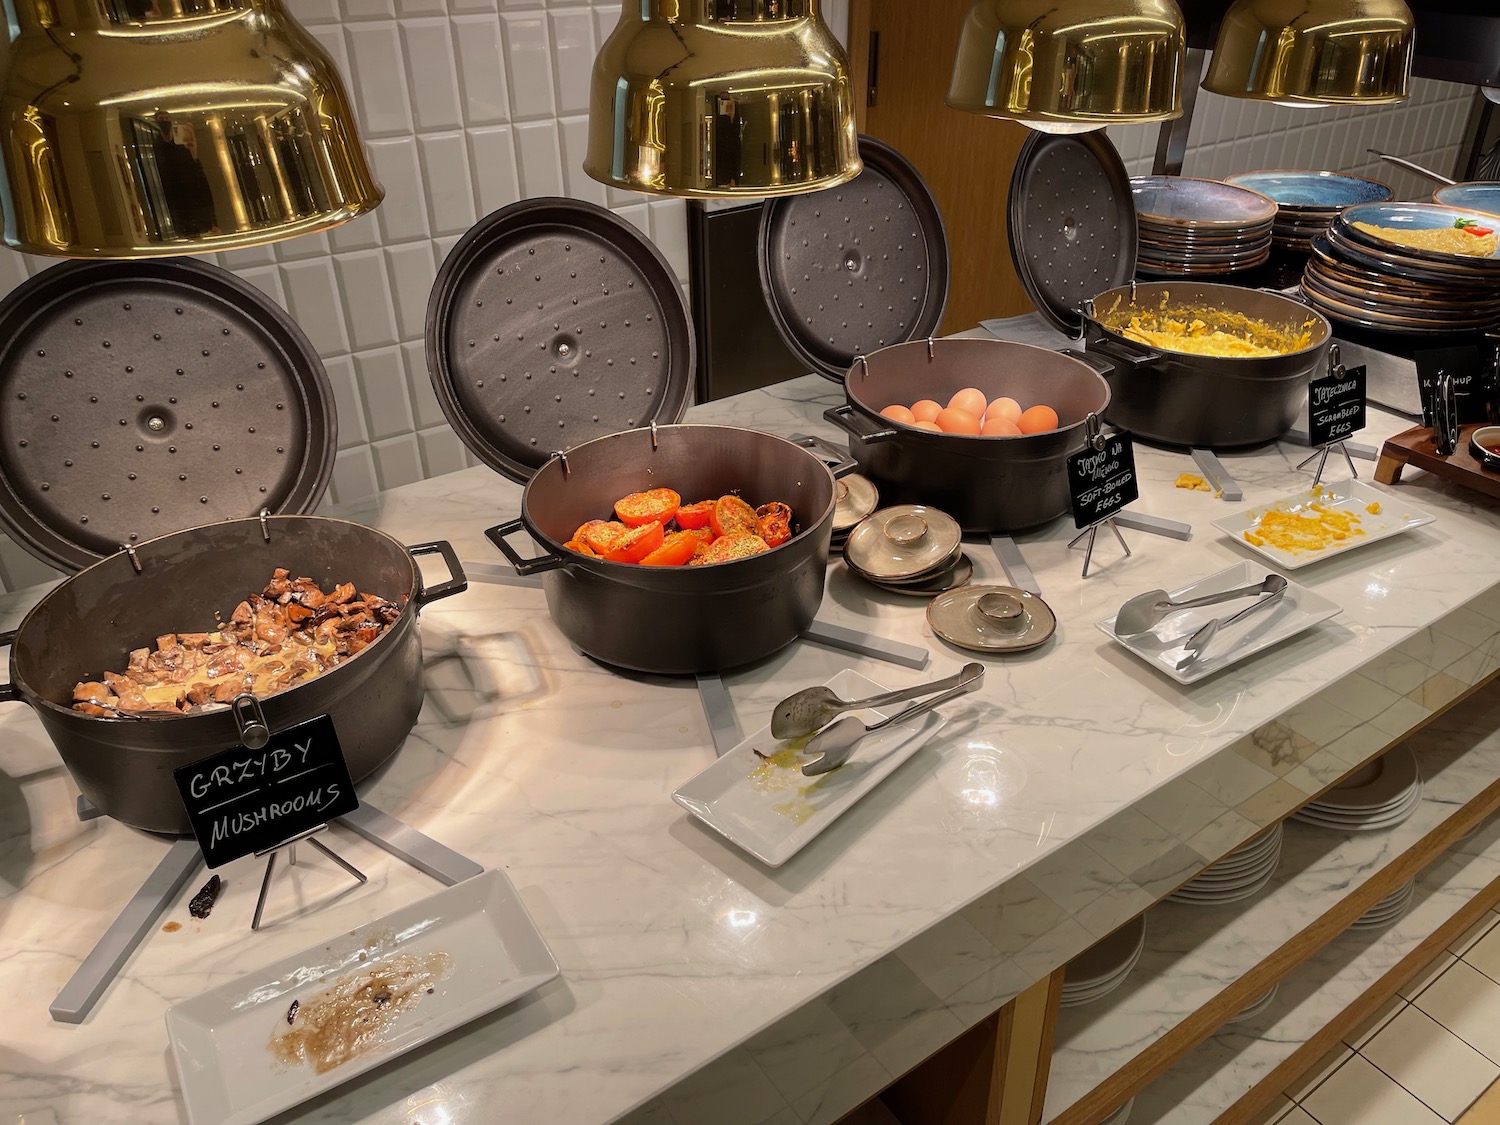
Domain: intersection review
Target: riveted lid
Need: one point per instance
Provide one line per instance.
(1072, 225)
(139, 398)
(851, 269)
(553, 322)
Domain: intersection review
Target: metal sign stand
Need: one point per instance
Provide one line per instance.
(1091, 533)
(291, 848)
(1320, 454)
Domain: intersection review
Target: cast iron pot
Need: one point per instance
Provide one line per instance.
(1203, 401)
(92, 621)
(988, 484)
(688, 619)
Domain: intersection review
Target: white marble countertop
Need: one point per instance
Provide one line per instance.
(675, 948)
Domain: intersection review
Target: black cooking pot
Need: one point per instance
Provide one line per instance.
(688, 619)
(988, 484)
(1203, 401)
(91, 622)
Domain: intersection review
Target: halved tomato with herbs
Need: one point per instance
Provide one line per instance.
(581, 547)
(676, 549)
(600, 535)
(773, 523)
(690, 517)
(735, 545)
(658, 505)
(636, 543)
(731, 515)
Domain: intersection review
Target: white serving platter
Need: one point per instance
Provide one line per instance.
(774, 817)
(1394, 517)
(1299, 609)
(220, 1039)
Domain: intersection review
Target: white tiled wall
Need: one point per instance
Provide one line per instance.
(467, 105)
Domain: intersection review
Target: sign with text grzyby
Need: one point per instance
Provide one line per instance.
(1335, 405)
(242, 801)
(1102, 481)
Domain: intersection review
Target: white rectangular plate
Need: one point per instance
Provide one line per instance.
(1162, 647)
(1394, 517)
(727, 798)
(220, 1038)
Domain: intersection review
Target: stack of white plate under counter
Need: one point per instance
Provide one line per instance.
(1103, 967)
(1377, 797)
(1238, 875)
(1388, 909)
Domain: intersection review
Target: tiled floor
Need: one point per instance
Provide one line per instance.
(1431, 1055)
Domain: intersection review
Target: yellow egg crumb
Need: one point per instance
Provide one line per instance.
(1190, 481)
(1373, 507)
(1307, 527)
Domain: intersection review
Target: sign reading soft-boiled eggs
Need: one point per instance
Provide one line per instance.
(969, 412)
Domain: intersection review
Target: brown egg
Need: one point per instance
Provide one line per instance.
(997, 426)
(933, 426)
(970, 400)
(925, 410)
(1007, 408)
(956, 421)
(1038, 420)
(898, 413)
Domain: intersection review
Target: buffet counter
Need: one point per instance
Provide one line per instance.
(1072, 791)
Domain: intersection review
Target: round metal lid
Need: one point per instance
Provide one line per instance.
(551, 323)
(851, 269)
(1072, 225)
(145, 397)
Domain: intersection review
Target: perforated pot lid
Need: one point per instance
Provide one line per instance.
(851, 269)
(552, 322)
(1072, 226)
(144, 397)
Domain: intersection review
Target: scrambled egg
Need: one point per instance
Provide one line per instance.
(1373, 507)
(1445, 240)
(1205, 331)
(1194, 337)
(1196, 483)
(1307, 527)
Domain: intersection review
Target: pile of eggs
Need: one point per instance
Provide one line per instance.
(969, 412)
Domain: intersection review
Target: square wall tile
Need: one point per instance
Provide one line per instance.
(445, 172)
(354, 476)
(432, 73)
(481, 69)
(403, 213)
(530, 53)
(382, 384)
(411, 271)
(368, 310)
(312, 297)
(442, 452)
(398, 461)
(492, 156)
(572, 57)
(539, 157)
(379, 95)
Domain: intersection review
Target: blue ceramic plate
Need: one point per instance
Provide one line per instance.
(1415, 216)
(1482, 195)
(1201, 203)
(1315, 191)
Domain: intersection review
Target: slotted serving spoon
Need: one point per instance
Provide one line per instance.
(812, 709)
(1144, 611)
(836, 743)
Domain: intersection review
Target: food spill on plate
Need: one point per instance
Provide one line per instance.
(781, 772)
(352, 1015)
(1308, 526)
(289, 633)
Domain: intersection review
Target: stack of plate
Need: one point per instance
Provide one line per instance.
(1238, 875)
(1476, 195)
(911, 549)
(1377, 797)
(1121, 1115)
(1308, 202)
(1103, 967)
(1191, 228)
(854, 498)
(1388, 909)
(1255, 1007)
(1374, 283)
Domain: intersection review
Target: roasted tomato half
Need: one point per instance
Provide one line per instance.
(735, 545)
(690, 517)
(731, 515)
(636, 543)
(676, 549)
(600, 535)
(773, 523)
(655, 506)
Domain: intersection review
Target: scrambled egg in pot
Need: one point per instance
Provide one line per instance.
(1205, 331)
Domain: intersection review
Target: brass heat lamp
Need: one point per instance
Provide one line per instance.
(1314, 52)
(1069, 66)
(721, 98)
(135, 128)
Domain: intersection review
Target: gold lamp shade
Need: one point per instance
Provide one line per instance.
(134, 128)
(1070, 65)
(721, 98)
(1313, 52)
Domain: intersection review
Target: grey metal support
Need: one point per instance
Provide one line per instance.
(1171, 141)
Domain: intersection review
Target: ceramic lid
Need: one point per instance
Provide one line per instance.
(1071, 223)
(854, 498)
(146, 397)
(991, 618)
(553, 322)
(852, 269)
(954, 576)
(909, 541)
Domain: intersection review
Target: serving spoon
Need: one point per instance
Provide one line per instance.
(812, 709)
(837, 742)
(1144, 611)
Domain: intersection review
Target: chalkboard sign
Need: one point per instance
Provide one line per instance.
(1336, 405)
(1473, 381)
(241, 801)
(1101, 482)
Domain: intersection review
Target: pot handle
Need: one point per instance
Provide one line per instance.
(857, 427)
(455, 583)
(1123, 357)
(1097, 362)
(8, 692)
(839, 462)
(523, 567)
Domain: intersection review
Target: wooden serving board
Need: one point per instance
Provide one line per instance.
(1415, 447)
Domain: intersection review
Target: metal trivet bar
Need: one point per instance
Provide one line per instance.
(291, 849)
(1218, 476)
(1155, 525)
(497, 575)
(1016, 571)
(867, 644)
(718, 708)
